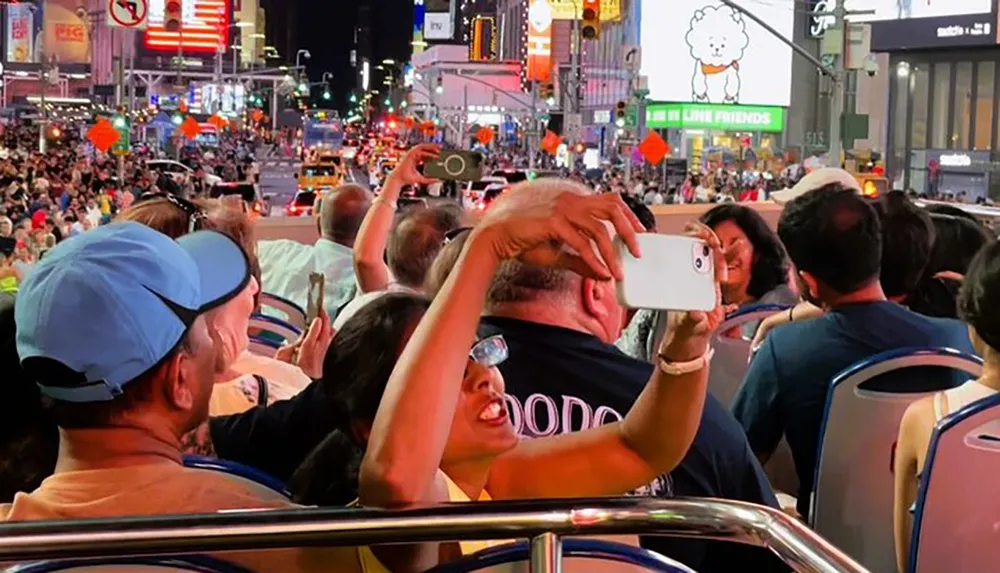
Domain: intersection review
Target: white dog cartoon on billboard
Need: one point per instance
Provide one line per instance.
(717, 39)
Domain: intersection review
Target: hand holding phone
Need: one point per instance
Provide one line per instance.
(314, 302)
(455, 165)
(675, 273)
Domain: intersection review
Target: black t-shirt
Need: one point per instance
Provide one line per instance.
(561, 380)
(277, 438)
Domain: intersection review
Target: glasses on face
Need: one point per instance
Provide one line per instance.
(490, 351)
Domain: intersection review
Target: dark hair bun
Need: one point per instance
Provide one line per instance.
(979, 299)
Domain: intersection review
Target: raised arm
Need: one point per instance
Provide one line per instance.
(369, 247)
(423, 391)
(652, 438)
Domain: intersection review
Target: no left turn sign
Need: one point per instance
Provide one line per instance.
(128, 13)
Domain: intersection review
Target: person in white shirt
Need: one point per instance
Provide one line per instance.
(409, 242)
(286, 264)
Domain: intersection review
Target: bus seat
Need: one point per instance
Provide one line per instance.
(852, 500)
(732, 350)
(729, 367)
(265, 486)
(263, 346)
(586, 555)
(955, 525)
(165, 564)
(270, 328)
(290, 312)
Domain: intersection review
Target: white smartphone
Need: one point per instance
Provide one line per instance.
(674, 273)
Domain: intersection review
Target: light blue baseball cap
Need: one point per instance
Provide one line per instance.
(107, 306)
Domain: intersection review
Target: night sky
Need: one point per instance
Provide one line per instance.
(326, 29)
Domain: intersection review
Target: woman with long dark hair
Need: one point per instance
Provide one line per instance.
(757, 266)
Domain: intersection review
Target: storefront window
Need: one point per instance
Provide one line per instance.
(963, 105)
(920, 82)
(984, 105)
(939, 114)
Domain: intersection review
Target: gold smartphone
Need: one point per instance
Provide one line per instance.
(314, 304)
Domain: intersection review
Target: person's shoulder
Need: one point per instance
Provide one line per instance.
(209, 490)
(781, 294)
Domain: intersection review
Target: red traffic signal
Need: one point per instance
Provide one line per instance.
(172, 15)
(591, 26)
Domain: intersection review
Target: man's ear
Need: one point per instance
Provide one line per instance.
(180, 379)
(811, 283)
(594, 296)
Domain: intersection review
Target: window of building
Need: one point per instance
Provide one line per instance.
(920, 77)
(962, 113)
(939, 111)
(984, 105)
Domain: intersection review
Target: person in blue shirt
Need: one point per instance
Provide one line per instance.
(835, 239)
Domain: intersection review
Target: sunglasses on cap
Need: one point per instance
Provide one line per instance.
(196, 216)
(490, 351)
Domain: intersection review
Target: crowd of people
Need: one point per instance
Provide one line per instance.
(48, 197)
(459, 357)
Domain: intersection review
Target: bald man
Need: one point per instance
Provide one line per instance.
(286, 264)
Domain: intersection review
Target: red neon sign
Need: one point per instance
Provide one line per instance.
(205, 27)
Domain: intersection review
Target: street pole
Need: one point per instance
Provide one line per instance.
(837, 86)
(131, 75)
(463, 116)
(43, 77)
(535, 125)
(119, 70)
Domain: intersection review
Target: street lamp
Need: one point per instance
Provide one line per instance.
(299, 55)
(389, 62)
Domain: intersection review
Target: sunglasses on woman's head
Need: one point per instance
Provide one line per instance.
(455, 234)
(490, 351)
(196, 217)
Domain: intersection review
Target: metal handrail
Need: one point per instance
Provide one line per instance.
(542, 521)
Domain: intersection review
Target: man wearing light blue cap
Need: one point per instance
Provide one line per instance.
(111, 327)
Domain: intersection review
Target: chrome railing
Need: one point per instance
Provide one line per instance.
(543, 522)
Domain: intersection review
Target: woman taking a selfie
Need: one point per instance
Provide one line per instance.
(445, 386)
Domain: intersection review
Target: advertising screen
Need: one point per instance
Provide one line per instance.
(905, 24)
(66, 36)
(702, 51)
(24, 28)
(205, 26)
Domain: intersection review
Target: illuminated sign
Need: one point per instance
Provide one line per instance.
(955, 160)
(910, 24)
(611, 10)
(205, 27)
(717, 117)
(539, 54)
(483, 45)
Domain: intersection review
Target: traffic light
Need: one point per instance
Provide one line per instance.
(620, 113)
(439, 89)
(303, 88)
(547, 90)
(591, 27)
(872, 186)
(172, 16)
(326, 94)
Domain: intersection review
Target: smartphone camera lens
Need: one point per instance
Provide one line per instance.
(705, 251)
(697, 264)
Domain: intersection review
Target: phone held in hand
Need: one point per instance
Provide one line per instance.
(675, 273)
(314, 304)
(455, 165)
